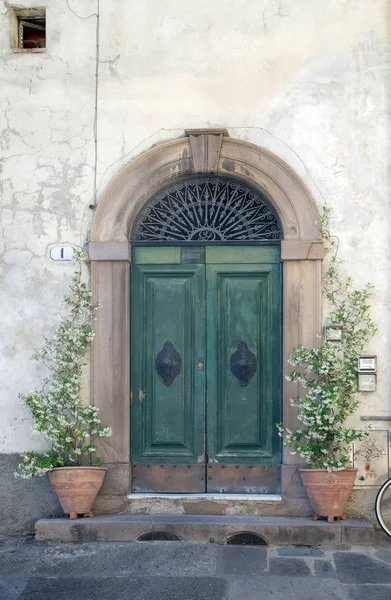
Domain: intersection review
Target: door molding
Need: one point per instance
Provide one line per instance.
(109, 253)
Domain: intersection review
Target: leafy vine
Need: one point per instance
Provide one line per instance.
(328, 374)
(57, 408)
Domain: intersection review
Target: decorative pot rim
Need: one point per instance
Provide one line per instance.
(326, 471)
(84, 467)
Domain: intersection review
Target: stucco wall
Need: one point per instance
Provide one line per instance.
(305, 79)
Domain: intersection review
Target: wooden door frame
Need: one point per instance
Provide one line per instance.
(201, 151)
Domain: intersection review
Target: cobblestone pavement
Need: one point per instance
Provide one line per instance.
(191, 571)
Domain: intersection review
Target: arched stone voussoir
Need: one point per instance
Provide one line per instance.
(168, 162)
(135, 183)
(287, 193)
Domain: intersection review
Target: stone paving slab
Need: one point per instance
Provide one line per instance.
(384, 554)
(324, 568)
(368, 592)
(247, 560)
(358, 568)
(192, 571)
(11, 587)
(286, 588)
(124, 588)
(292, 567)
(299, 551)
(150, 558)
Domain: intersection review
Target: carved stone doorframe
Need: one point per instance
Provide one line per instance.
(201, 151)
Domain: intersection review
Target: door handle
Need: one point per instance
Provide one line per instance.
(200, 365)
(243, 364)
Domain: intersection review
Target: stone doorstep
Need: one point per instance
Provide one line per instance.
(279, 531)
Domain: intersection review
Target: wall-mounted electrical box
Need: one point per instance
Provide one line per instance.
(333, 334)
(367, 377)
(367, 382)
(367, 364)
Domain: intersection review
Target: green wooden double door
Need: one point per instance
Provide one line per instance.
(206, 369)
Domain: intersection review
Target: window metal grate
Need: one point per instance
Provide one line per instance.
(246, 539)
(158, 536)
(32, 33)
(207, 209)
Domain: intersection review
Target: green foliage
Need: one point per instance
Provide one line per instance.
(57, 408)
(328, 374)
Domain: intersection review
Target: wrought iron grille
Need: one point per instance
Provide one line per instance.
(168, 363)
(243, 364)
(207, 209)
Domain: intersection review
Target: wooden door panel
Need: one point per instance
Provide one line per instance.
(168, 404)
(244, 364)
(266, 254)
(176, 420)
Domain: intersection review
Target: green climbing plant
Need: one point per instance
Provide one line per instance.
(328, 374)
(57, 409)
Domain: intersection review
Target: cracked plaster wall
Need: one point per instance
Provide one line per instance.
(306, 79)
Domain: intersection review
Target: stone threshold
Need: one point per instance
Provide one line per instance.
(255, 505)
(214, 497)
(279, 531)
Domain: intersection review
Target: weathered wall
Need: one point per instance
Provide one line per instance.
(306, 80)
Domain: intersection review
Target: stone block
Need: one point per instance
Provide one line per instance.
(304, 532)
(205, 508)
(291, 483)
(23, 501)
(288, 531)
(250, 506)
(295, 507)
(117, 480)
(109, 251)
(357, 533)
(302, 250)
(109, 505)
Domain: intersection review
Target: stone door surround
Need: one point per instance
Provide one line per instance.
(200, 151)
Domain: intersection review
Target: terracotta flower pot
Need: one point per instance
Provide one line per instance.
(77, 488)
(328, 492)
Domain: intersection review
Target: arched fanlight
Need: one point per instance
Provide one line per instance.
(207, 209)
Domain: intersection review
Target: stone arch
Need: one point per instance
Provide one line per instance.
(141, 178)
(201, 151)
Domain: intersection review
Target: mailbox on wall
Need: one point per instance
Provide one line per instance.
(333, 334)
(367, 376)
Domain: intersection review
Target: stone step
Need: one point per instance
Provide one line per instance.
(289, 531)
